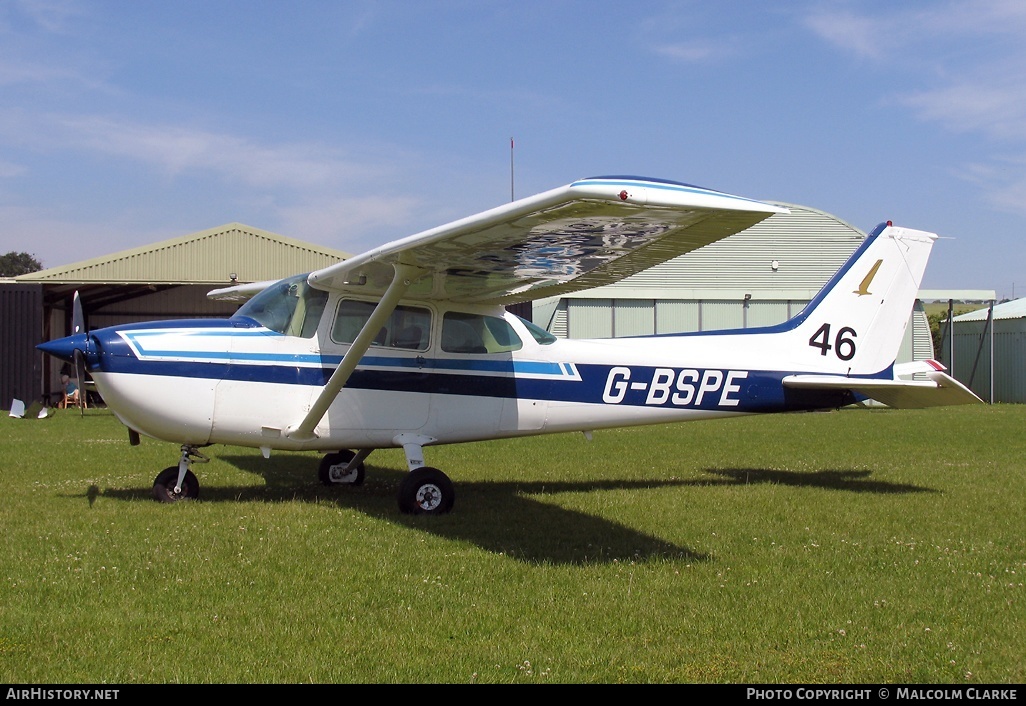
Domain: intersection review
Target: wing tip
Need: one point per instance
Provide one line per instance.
(667, 192)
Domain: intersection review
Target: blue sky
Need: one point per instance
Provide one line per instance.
(349, 124)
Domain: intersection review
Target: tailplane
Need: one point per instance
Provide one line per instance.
(938, 389)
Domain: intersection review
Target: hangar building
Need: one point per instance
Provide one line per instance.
(166, 280)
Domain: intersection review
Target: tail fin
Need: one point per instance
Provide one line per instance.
(848, 337)
(856, 324)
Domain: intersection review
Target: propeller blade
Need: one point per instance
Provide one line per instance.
(80, 375)
(78, 326)
(77, 317)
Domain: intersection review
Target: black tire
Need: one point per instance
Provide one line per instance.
(426, 491)
(330, 470)
(164, 486)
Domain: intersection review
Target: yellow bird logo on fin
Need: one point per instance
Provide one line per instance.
(864, 287)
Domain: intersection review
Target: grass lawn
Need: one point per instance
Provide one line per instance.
(859, 546)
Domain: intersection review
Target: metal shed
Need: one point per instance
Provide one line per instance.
(165, 280)
(988, 351)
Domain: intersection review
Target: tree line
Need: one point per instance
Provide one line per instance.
(13, 264)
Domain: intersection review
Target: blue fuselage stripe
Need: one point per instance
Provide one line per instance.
(641, 386)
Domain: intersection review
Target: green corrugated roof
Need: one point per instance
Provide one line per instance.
(207, 257)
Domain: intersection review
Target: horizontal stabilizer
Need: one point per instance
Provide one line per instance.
(938, 390)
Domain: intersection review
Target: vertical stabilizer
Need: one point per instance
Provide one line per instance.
(856, 324)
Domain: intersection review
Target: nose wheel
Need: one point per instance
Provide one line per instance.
(178, 482)
(342, 468)
(166, 488)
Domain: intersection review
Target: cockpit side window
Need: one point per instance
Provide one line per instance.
(291, 307)
(408, 328)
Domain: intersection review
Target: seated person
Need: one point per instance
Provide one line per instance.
(71, 394)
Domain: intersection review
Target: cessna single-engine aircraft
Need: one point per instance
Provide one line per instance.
(410, 345)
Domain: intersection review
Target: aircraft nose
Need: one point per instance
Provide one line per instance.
(64, 348)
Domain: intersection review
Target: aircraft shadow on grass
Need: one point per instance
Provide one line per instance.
(852, 481)
(512, 517)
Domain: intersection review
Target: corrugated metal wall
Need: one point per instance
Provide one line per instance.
(617, 318)
(187, 301)
(589, 318)
(806, 245)
(21, 315)
(918, 343)
(972, 364)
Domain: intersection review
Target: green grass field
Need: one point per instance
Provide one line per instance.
(859, 546)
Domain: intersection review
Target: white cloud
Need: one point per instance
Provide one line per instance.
(1002, 181)
(351, 224)
(918, 31)
(964, 65)
(696, 51)
(10, 169)
(179, 151)
(12, 73)
(861, 35)
(54, 16)
(995, 108)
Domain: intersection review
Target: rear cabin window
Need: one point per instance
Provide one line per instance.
(474, 333)
(408, 327)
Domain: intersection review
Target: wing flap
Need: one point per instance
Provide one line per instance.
(583, 235)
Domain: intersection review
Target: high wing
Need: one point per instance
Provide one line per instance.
(589, 233)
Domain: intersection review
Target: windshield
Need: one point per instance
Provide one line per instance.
(291, 307)
(541, 335)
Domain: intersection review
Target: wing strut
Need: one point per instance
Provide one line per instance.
(403, 277)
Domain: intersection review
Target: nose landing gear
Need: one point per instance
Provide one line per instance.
(178, 482)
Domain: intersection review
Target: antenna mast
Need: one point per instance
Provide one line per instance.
(512, 196)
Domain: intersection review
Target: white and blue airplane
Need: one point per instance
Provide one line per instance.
(410, 345)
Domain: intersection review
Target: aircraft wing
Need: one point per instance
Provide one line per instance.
(938, 389)
(239, 292)
(589, 233)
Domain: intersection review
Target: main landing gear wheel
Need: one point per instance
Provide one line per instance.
(426, 491)
(164, 486)
(333, 466)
